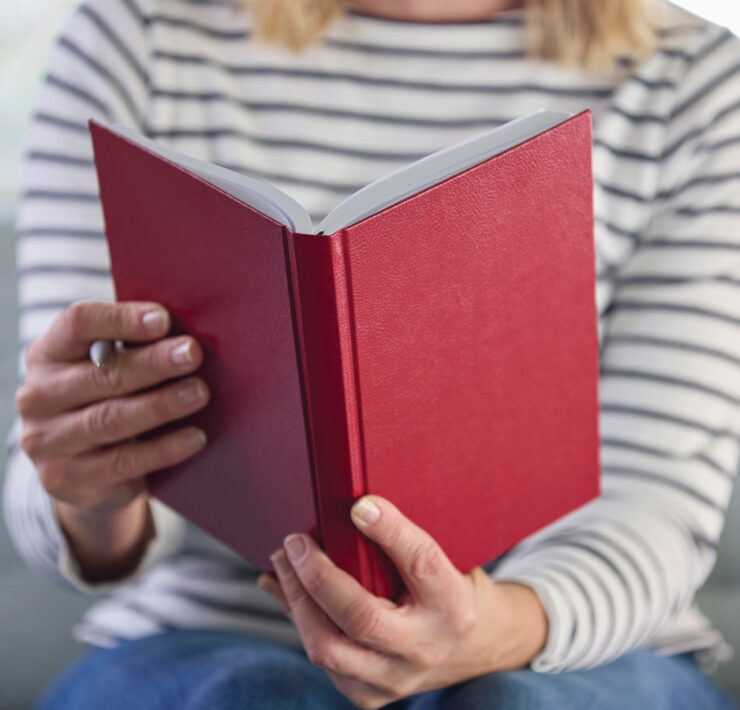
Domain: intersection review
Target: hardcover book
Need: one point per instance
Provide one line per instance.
(433, 340)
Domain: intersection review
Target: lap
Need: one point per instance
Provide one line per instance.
(195, 670)
(641, 680)
(199, 670)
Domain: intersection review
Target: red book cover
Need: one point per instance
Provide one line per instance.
(442, 353)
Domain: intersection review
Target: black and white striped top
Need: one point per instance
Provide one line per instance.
(622, 571)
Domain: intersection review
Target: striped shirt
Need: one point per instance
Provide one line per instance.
(618, 573)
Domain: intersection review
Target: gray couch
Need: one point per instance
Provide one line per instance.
(36, 616)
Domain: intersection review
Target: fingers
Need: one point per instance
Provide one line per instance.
(324, 643)
(269, 584)
(425, 568)
(134, 459)
(110, 476)
(69, 386)
(118, 419)
(361, 672)
(70, 335)
(363, 695)
(361, 615)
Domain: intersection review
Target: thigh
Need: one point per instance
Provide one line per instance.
(641, 680)
(195, 670)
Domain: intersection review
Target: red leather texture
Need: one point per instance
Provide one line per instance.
(473, 318)
(442, 353)
(220, 268)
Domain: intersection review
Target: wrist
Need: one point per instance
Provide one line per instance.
(107, 545)
(524, 623)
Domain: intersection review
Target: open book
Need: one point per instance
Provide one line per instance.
(376, 196)
(433, 340)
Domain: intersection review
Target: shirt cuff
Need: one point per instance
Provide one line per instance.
(169, 530)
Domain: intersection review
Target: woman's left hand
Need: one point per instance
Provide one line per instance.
(447, 627)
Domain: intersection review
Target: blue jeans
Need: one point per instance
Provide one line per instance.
(205, 670)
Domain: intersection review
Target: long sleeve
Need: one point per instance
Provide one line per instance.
(95, 69)
(613, 574)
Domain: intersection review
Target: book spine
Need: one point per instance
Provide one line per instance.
(322, 307)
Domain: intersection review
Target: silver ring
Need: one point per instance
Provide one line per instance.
(102, 352)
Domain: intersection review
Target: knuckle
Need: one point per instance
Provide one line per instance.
(74, 318)
(393, 536)
(31, 440)
(463, 618)
(407, 687)
(52, 475)
(164, 405)
(107, 379)
(426, 657)
(293, 596)
(158, 361)
(119, 319)
(400, 689)
(315, 580)
(103, 419)
(27, 398)
(123, 463)
(167, 451)
(33, 353)
(321, 653)
(426, 560)
(364, 622)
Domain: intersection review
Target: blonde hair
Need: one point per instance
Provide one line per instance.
(591, 33)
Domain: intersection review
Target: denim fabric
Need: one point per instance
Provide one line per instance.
(206, 670)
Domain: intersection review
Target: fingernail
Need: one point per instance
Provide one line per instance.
(295, 546)
(196, 438)
(182, 354)
(365, 512)
(155, 321)
(281, 565)
(192, 392)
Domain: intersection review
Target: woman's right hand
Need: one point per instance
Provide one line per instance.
(79, 424)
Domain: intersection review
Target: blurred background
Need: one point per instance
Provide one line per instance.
(35, 616)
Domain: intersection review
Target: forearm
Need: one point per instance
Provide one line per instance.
(609, 577)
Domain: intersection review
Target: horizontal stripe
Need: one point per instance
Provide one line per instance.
(671, 344)
(385, 81)
(300, 109)
(61, 233)
(59, 195)
(716, 179)
(285, 144)
(708, 209)
(625, 305)
(664, 481)
(664, 243)
(637, 411)
(37, 269)
(630, 445)
(59, 122)
(221, 605)
(624, 372)
(34, 306)
(58, 158)
(79, 93)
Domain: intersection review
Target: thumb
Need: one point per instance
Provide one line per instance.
(428, 573)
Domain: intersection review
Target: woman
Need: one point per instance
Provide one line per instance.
(321, 97)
